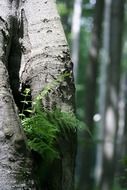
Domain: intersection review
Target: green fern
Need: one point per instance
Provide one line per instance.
(41, 135)
(43, 128)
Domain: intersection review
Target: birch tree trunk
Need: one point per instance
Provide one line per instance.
(45, 57)
(15, 165)
(76, 21)
(33, 51)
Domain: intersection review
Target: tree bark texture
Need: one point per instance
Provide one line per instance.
(33, 52)
(45, 57)
(15, 165)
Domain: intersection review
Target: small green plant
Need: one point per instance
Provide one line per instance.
(42, 128)
(24, 103)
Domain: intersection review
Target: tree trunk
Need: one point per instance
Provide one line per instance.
(33, 51)
(121, 151)
(45, 57)
(76, 22)
(15, 165)
(115, 12)
(88, 157)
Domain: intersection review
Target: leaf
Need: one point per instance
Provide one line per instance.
(27, 91)
(29, 111)
(21, 114)
(25, 102)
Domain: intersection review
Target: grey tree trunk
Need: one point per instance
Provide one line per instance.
(88, 157)
(113, 48)
(45, 57)
(75, 31)
(122, 132)
(103, 81)
(33, 52)
(15, 165)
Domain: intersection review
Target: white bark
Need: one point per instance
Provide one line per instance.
(46, 54)
(31, 33)
(14, 162)
(45, 57)
(76, 22)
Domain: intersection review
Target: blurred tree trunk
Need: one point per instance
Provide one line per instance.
(121, 151)
(76, 21)
(45, 57)
(88, 158)
(124, 137)
(122, 169)
(112, 48)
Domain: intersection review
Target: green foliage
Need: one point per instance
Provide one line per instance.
(62, 8)
(41, 135)
(26, 93)
(43, 128)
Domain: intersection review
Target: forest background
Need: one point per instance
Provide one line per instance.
(96, 32)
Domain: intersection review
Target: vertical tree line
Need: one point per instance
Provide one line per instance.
(102, 93)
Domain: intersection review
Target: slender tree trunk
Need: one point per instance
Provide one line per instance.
(121, 151)
(88, 158)
(113, 45)
(45, 57)
(125, 119)
(76, 21)
(103, 84)
(15, 166)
